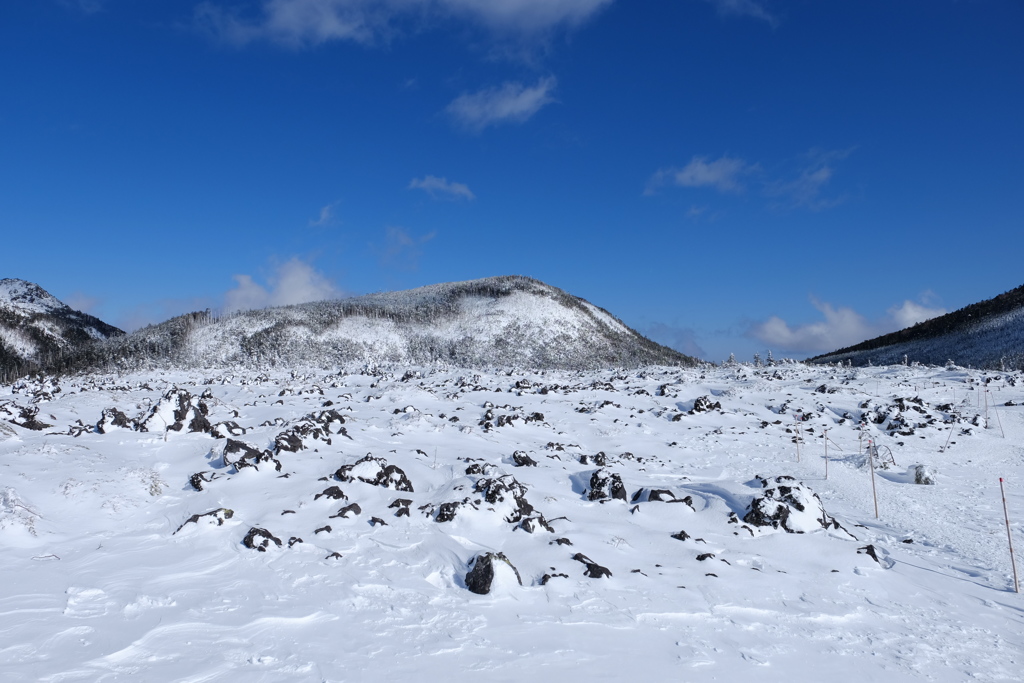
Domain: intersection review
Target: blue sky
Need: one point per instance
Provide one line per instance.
(723, 175)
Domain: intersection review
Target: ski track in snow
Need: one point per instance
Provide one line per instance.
(100, 584)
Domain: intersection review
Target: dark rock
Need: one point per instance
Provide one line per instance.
(521, 459)
(869, 550)
(260, 539)
(334, 555)
(293, 540)
(788, 504)
(353, 509)
(446, 512)
(377, 472)
(506, 489)
(112, 417)
(703, 404)
(223, 430)
(561, 541)
(480, 577)
(547, 577)
(705, 556)
(532, 524)
(218, 515)
(323, 528)
(332, 492)
(606, 486)
(375, 521)
(681, 536)
(594, 570)
(199, 478)
(239, 454)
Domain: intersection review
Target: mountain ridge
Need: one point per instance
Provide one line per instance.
(37, 329)
(512, 321)
(986, 334)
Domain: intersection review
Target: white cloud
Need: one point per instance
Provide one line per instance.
(81, 301)
(744, 8)
(682, 339)
(435, 186)
(311, 22)
(806, 189)
(841, 327)
(512, 102)
(293, 282)
(723, 174)
(401, 249)
(326, 216)
(910, 313)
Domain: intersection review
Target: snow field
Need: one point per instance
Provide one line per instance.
(99, 587)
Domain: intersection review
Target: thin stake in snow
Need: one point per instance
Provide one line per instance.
(871, 459)
(825, 437)
(797, 438)
(948, 437)
(1009, 537)
(827, 441)
(1000, 421)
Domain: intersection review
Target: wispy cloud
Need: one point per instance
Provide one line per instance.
(511, 102)
(682, 339)
(311, 22)
(326, 217)
(401, 249)
(81, 301)
(801, 183)
(752, 9)
(841, 327)
(85, 6)
(441, 187)
(807, 188)
(292, 282)
(724, 174)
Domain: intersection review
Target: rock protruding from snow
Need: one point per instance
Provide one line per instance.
(260, 539)
(594, 570)
(923, 475)
(704, 404)
(112, 418)
(377, 472)
(788, 504)
(239, 455)
(214, 517)
(486, 573)
(178, 410)
(507, 496)
(605, 485)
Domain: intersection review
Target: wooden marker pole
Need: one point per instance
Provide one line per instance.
(826, 454)
(871, 459)
(1009, 537)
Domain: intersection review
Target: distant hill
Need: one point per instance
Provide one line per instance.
(37, 329)
(989, 334)
(506, 321)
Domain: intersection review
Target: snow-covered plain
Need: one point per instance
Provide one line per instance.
(104, 578)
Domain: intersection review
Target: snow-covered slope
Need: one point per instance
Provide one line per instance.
(989, 334)
(36, 328)
(500, 321)
(451, 525)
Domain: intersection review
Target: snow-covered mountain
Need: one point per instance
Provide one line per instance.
(989, 334)
(506, 322)
(36, 328)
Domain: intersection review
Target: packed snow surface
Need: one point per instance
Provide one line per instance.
(419, 524)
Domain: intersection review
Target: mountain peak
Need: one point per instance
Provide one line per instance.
(37, 328)
(27, 297)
